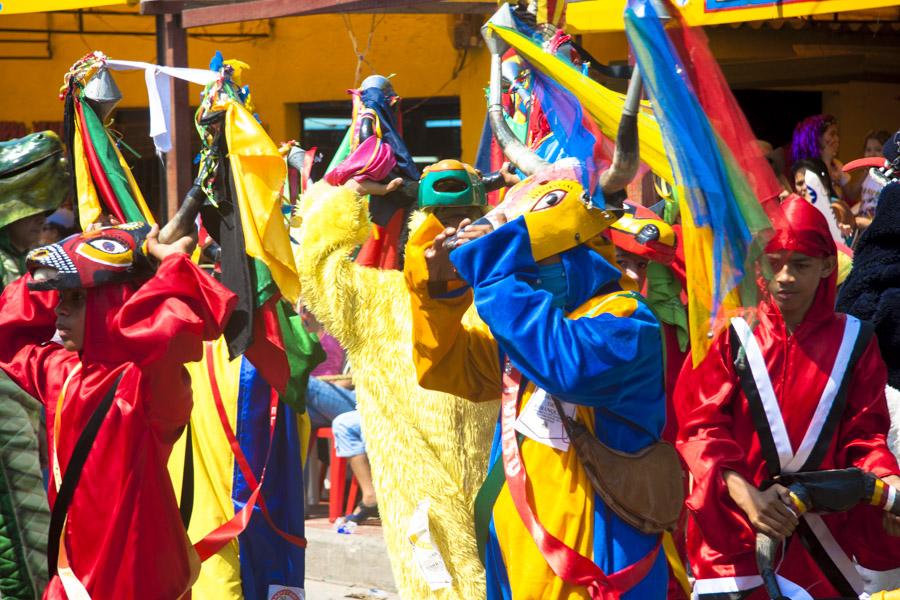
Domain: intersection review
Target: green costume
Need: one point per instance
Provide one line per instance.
(34, 179)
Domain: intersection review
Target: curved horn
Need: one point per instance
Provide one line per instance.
(626, 157)
(766, 548)
(517, 152)
(182, 223)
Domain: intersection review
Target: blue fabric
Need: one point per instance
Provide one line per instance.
(375, 99)
(265, 557)
(325, 401)
(348, 436)
(552, 279)
(695, 151)
(608, 362)
(605, 360)
(571, 139)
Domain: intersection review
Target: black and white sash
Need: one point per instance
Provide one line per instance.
(777, 449)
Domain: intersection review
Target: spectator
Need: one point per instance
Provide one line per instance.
(817, 137)
(59, 225)
(331, 401)
(868, 187)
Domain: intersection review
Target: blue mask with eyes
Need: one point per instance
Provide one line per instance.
(552, 278)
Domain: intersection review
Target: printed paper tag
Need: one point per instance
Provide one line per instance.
(540, 421)
(430, 562)
(283, 592)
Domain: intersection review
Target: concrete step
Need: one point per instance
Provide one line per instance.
(323, 590)
(358, 559)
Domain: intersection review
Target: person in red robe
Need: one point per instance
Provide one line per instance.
(122, 332)
(792, 361)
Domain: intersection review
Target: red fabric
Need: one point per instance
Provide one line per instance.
(716, 434)
(104, 189)
(267, 352)
(383, 251)
(805, 230)
(124, 536)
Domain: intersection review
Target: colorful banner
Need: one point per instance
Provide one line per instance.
(13, 7)
(606, 15)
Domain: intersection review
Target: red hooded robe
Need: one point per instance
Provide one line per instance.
(123, 536)
(716, 431)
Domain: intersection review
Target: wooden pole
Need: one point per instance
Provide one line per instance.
(173, 48)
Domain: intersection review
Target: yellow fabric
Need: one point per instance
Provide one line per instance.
(604, 105)
(304, 426)
(259, 173)
(12, 7)
(459, 358)
(675, 564)
(421, 444)
(135, 190)
(89, 209)
(220, 575)
(844, 266)
(606, 15)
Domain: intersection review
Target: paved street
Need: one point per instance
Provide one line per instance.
(321, 590)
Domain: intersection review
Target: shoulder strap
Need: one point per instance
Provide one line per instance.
(73, 474)
(866, 331)
(757, 410)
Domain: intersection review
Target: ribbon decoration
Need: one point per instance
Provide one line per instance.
(567, 564)
(158, 82)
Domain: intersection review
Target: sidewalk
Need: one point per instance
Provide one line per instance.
(323, 590)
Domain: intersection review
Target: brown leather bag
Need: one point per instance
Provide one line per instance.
(645, 489)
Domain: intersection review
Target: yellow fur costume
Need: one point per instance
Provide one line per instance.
(421, 444)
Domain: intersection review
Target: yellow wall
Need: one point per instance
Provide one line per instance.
(307, 59)
(311, 59)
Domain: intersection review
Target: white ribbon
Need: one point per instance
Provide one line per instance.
(158, 83)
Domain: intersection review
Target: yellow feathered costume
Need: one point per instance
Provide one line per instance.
(421, 444)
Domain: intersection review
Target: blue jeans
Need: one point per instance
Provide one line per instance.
(348, 437)
(325, 401)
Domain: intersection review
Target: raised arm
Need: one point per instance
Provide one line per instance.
(340, 293)
(171, 315)
(449, 356)
(584, 360)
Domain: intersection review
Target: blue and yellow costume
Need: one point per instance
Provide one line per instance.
(608, 363)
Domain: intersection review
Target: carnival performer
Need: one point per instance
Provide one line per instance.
(801, 389)
(116, 396)
(422, 445)
(374, 152)
(38, 182)
(648, 251)
(561, 324)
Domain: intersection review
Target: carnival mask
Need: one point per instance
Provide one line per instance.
(93, 258)
(557, 211)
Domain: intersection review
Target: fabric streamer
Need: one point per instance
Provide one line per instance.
(722, 220)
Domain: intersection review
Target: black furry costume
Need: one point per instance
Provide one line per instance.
(872, 290)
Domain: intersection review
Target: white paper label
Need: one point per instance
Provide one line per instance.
(283, 592)
(540, 421)
(430, 562)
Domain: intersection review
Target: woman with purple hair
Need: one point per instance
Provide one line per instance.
(816, 137)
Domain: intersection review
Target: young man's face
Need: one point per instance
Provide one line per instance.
(452, 216)
(633, 265)
(795, 280)
(70, 318)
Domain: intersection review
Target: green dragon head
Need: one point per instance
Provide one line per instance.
(34, 176)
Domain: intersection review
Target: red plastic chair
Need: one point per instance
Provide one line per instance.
(337, 472)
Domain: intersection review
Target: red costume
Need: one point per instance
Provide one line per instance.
(717, 432)
(123, 537)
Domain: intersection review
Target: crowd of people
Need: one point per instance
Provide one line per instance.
(506, 358)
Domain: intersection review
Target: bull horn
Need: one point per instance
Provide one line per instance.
(182, 223)
(626, 157)
(518, 153)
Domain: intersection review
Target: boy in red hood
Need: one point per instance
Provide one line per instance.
(125, 334)
(803, 390)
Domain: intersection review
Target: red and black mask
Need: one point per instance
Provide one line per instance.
(92, 258)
